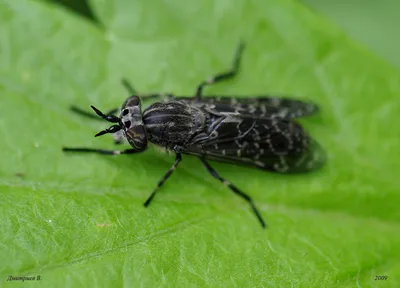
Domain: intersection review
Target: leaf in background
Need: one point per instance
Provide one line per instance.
(374, 23)
(78, 219)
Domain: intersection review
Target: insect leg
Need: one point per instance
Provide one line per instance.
(100, 151)
(128, 86)
(166, 176)
(234, 190)
(90, 115)
(222, 76)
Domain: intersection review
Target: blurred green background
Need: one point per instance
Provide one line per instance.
(374, 24)
(78, 220)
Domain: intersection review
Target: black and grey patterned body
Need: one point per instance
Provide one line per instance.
(172, 124)
(259, 131)
(207, 130)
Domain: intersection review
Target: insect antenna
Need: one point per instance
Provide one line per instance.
(112, 129)
(86, 114)
(109, 117)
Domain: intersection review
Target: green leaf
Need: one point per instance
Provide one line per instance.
(374, 23)
(78, 220)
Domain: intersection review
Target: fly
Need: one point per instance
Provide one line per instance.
(257, 132)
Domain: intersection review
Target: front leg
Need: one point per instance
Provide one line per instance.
(100, 151)
(162, 181)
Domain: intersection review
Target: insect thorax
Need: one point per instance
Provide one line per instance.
(172, 124)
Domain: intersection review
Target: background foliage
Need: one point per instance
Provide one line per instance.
(78, 219)
(373, 23)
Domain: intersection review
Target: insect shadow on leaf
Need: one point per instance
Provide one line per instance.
(258, 131)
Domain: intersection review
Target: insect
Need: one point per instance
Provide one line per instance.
(259, 131)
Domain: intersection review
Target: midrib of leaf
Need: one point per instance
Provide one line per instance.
(123, 247)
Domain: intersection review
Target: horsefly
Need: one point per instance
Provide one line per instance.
(259, 131)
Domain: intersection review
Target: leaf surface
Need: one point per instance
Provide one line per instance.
(78, 219)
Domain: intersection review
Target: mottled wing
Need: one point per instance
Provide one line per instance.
(272, 144)
(257, 107)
